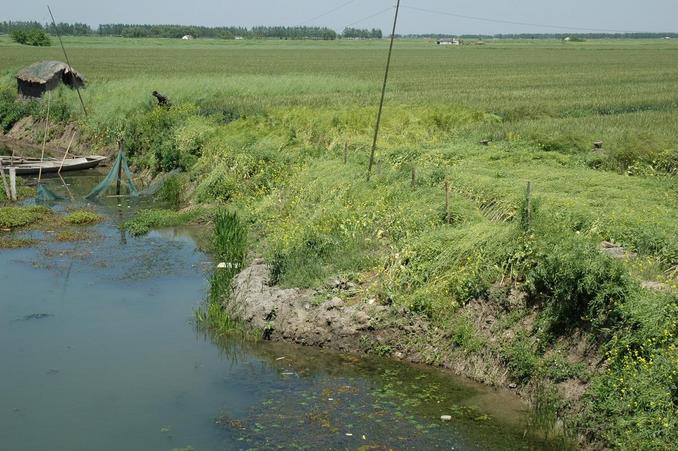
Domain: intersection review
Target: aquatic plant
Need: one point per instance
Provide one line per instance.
(14, 217)
(145, 220)
(82, 217)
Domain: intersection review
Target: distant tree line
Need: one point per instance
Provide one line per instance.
(355, 33)
(11, 26)
(65, 29)
(545, 36)
(178, 31)
(323, 33)
(169, 31)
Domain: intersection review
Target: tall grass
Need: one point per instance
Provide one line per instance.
(229, 245)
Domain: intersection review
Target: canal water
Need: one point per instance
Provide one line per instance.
(99, 352)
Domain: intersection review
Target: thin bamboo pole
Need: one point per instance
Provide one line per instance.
(44, 139)
(66, 153)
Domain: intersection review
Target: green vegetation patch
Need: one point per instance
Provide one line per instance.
(82, 217)
(71, 236)
(15, 217)
(16, 243)
(146, 220)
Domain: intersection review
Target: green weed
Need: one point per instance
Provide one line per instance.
(82, 217)
(146, 220)
(15, 217)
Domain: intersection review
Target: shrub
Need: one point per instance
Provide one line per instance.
(151, 138)
(521, 358)
(13, 109)
(34, 36)
(172, 190)
(578, 285)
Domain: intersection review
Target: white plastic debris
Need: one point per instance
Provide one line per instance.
(222, 265)
(446, 417)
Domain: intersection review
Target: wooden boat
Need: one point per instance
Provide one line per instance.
(32, 167)
(13, 161)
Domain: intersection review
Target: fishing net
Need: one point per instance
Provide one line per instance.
(119, 167)
(44, 194)
(154, 187)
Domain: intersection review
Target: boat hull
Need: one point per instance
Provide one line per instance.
(51, 167)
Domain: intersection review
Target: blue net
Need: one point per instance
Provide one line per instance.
(44, 194)
(121, 168)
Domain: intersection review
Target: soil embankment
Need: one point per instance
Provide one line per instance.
(314, 318)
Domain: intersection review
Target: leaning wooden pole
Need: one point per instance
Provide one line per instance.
(383, 93)
(44, 138)
(70, 68)
(121, 149)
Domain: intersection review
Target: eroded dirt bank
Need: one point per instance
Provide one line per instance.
(314, 318)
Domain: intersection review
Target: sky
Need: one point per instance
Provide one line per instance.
(506, 16)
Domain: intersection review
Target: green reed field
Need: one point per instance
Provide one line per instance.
(262, 127)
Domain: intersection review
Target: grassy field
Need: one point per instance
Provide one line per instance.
(263, 127)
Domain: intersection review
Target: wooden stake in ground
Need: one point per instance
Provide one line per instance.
(4, 182)
(345, 153)
(414, 176)
(447, 202)
(528, 196)
(12, 184)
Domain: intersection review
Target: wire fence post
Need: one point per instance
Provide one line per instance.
(345, 153)
(447, 202)
(383, 93)
(528, 196)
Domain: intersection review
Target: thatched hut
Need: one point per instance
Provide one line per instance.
(38, 78)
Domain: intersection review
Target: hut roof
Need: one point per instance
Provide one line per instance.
(44, 71)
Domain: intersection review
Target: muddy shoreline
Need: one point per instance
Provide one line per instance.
(312, 318)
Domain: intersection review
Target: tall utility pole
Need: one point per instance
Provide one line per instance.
(383, 93)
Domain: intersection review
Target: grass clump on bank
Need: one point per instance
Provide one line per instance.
(229, 245)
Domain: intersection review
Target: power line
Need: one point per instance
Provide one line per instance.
(320, 16)
(378, 13)
(511, 22)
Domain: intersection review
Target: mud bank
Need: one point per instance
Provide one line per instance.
(312, 318)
